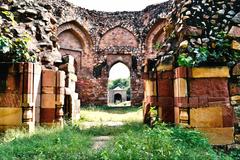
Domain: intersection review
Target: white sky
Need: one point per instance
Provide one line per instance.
(119, 70)
(115, 5)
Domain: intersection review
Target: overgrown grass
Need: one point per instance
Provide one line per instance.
(51, 143)
(133, 140)
(105, 114)
(162, 142)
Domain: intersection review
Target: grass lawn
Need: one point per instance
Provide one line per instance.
(131, 140)
(111, 114)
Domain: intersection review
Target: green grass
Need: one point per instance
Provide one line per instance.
(105, 114)
(133, 140)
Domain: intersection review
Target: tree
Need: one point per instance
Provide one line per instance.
(122, 83)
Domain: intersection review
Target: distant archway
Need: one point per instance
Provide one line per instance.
(119, 85)
(117, 98)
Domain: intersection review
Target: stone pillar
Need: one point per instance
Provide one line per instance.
(60, 86)
(73, 104)
(181, 96)
(209, 104)
(164, 82)
(28, 108)
(48, 97)
(37, 92)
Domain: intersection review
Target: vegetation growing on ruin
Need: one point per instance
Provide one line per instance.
(15, 50)
(218, 51)
(13, 47)
(131, 141)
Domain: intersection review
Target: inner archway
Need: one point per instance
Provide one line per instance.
(119, 86)
(117, 98)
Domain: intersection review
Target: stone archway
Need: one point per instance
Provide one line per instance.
(117, 97)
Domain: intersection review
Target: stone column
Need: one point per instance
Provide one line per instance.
(181, 96)
(27, 101)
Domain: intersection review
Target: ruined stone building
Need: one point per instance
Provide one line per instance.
(183, 58)
(98, 40)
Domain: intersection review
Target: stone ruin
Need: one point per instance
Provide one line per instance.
(76, 49)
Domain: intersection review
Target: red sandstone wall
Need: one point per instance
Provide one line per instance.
(118, 37)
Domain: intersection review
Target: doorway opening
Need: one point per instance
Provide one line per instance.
(119, 86)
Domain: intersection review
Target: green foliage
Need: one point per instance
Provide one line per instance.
(157, 46)
(15, 50)
(122, 83)
(202, 54)
(218, 52)
(185, 60)
(161, 142)
(131, 141)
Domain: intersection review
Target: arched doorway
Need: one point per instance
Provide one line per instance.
(119, 86)
(117, 98)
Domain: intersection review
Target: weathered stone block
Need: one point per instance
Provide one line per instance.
(48, 101)
(235, 98)
(228, 116)
(206, 72)
(10, 116)
(48, 78)
(68, 68)
(236, 70)
(180, 87)
(165, 75)
(176, 115)
(181, 102)
(71, 84)
(193, 31)
(60, 99)
(209, 87)
(234, 89)
(150, 88)
(219, 136)
(48, 90)
(163, 67)
(180, 72)
(165, 88)
(235, 45)
(206, 117)
(61, 79)
(47, 115)
(234, 32)
(27, 100)
(10, 100)
(72, 77)
(37, 115)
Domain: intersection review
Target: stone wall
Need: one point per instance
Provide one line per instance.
(203, 35)
(94, 38)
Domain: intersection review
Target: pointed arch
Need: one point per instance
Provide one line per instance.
(79, 32)
(156, 34)
(118, 36)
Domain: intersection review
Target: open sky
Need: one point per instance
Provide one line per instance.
(115, 5)
(119, 70)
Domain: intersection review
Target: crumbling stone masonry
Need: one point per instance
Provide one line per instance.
(189, 51)
(98, 40)
(200, 93)
(35, 93)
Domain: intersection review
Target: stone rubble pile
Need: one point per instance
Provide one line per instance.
(70, 87)
(35, 20)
